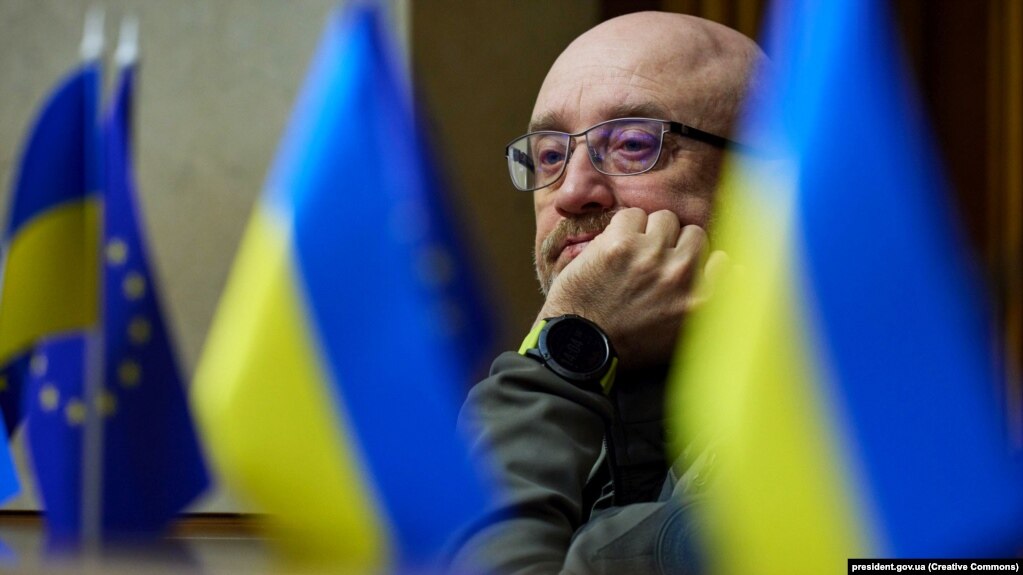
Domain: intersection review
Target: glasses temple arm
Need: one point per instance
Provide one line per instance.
(707, 137)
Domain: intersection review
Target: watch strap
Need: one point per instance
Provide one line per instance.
(532, 340)
(609, 378)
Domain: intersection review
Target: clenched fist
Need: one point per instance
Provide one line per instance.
(635, 280)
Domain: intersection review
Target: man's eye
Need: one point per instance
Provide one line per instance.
(635, 145)
(634, 142)
(551, 157)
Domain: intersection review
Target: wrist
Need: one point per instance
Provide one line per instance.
(574, 348)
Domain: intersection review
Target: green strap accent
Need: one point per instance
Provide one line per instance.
(533, 338)
(609, 378)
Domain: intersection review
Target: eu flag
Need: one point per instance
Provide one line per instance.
(845, 377)
(329, 385)
(149, 464)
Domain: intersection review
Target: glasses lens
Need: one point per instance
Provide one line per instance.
(520, 166)
(537, 159)
(622, 147)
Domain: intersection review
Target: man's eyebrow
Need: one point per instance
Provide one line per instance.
(555, 120)
(637, 110)
(547, 121)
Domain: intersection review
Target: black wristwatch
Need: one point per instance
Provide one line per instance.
(574, 348)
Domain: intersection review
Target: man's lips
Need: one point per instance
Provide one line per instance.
(575, 245)
(573, 250)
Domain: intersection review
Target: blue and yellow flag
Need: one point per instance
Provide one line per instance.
(842, 381)
(146, 464)
(50, 246)
(329, 386)
(51, 238)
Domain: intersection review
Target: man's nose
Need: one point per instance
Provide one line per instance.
(582, 189)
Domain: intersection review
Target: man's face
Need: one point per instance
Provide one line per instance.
(579, 93)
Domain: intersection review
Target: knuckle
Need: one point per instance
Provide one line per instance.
(695, 231)
(665, 215)
(662, 218)
(692, 235)
(619, 246)
(629, 214)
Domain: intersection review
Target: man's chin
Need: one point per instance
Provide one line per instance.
(546, 279)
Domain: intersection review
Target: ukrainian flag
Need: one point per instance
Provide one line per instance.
(50, 264)
(329, 386)
(50, 242)
(842, 383)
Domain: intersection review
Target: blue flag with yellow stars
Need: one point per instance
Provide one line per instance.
(150, 463)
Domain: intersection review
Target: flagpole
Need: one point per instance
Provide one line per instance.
(400, 15)
(127, 52)
(125, 56)
(92, 438)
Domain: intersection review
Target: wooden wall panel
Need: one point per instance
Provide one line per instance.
(743, 15)
(967, 56)
(1005, 186)
(479, 66)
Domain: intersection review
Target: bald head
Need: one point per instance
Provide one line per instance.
(691, 70)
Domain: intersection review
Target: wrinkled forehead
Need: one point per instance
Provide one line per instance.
(663, 72)
(573, 99)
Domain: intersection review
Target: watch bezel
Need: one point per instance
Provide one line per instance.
(594, 375)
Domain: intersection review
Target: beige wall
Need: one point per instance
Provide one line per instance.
(217, 82)
(215, 88)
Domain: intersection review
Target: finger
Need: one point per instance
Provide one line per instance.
(665, 226)
(693, 239)
(717, 267)
(715, 270)
(628, 220)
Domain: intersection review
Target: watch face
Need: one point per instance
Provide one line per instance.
(577, 346)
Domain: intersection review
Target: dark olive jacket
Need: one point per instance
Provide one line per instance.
(584, 483)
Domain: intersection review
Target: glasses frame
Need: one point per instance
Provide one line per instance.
(672, 127)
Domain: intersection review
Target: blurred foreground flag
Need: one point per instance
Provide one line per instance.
(330, 382)
(144, 465)
(843, 381)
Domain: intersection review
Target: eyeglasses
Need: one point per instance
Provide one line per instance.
(620, 147)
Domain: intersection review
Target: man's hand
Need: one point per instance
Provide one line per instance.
(635, 280)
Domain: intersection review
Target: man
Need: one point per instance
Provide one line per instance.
(574, 422)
